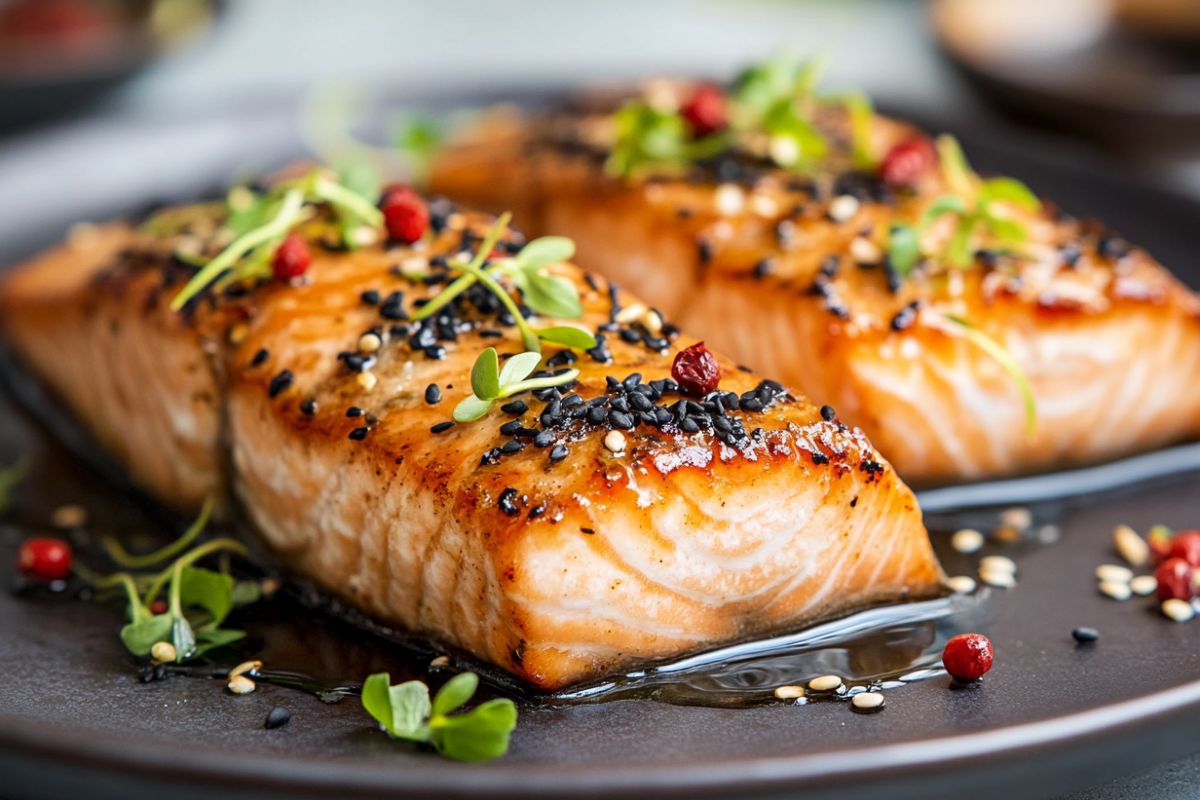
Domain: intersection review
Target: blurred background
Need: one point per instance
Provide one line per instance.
(201, 85)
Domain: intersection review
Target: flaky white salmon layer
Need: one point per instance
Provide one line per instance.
(558, 569)
(772, 273)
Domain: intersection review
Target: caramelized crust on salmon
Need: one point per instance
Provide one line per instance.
(543, 548)
(790, 275)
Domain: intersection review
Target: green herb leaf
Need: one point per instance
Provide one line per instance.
(1009, 190)
(183, 637)
(478, 735)
(246, 593)
(544, 251)
(955, 168)
(549, 295)
(456, 692)
(1008, 231)
(402, 710)
(519, 367)
(942, 205)
(485, 375)
(1002, 357)
(214, 638)
(142, 634)
(862, 114)
(569, 336)
(782, 120)
(904, 249)
(472, 408)
(211, 591)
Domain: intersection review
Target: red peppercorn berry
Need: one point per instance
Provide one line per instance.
(292, 258)
(1186, 545)
(907, 161)
(45, 559)
(696, 370)
(404, 213)
(968, 656)
(705, 110)
(158, 607)
(1174, 578)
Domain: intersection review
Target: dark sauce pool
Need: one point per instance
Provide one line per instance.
(313, 644)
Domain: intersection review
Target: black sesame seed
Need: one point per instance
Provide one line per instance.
(510, 428)
(1070, 253)
(596, 414)
(371, 297)
(512, 446)
(544, 439)
(308, 407)
(354, 411)
(442, 427)
(828, 413)
(763, 268)
(433, 394)
(620, 420)
(278, 717)
(358, 434)
(704, 251)
(280, 383)
(516, 408)
(558, 452)
(508, 502)
(829, 267)
(537, 511)
(1085, 635)
(260, 357)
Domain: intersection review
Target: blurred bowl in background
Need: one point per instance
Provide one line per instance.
(57, 56)
(1123, 73)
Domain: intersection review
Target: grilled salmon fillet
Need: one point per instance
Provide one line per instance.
(531, 538)
(791, 274)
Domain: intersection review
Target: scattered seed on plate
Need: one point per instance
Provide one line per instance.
(967, 540)
(961, 584)
(867, 701)
(999, 578)
(1085, 635)
(240, 684)
(1114, 573)
(278, 717)
(245, 667)
(825, 683)
(1130, 546)
(789, 692)
(1019, 517)
(163, 652)
(69, 516)
(1144, 585)
(1048, 534)
(1007, 534)
(998, 564)
(441, 662)
(1178, 610)
(1117, 590)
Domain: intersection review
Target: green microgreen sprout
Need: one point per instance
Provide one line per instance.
(903, 249)
(490, 382)
(10, 476)
(651, 136)
(406, 712)
(1001, 356)
(198, 600)
(545, 294)
(978, 204)
(260, 222)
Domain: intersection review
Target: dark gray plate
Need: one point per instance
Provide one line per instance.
(1051, 715)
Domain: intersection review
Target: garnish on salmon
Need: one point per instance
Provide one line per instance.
(970, 329)
(566, 531)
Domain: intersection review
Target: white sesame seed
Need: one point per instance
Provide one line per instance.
(999, 578)
(163, 652)
(367, 380)
(789, 692)
(1019, 517)
(69, 516)
(237, 332)
(1130, 546)
(1114, 573)
(441, 662)
(961, 584)
(1143, 585)
(240, 684)
(729, 199)
(867, 701)
(825, 683)
(764, 205)
(843, 207)
(864, 251)
(1178, 610)
(968, 540)
(245, 667)
(369, 343)
(652, 321)
(615, 442)
(998, 564)
(364, 236)
(783, 150)
(630, 313)
(1117, 590)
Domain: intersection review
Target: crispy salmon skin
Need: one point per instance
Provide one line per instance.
(566, 534)
(794, 272)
